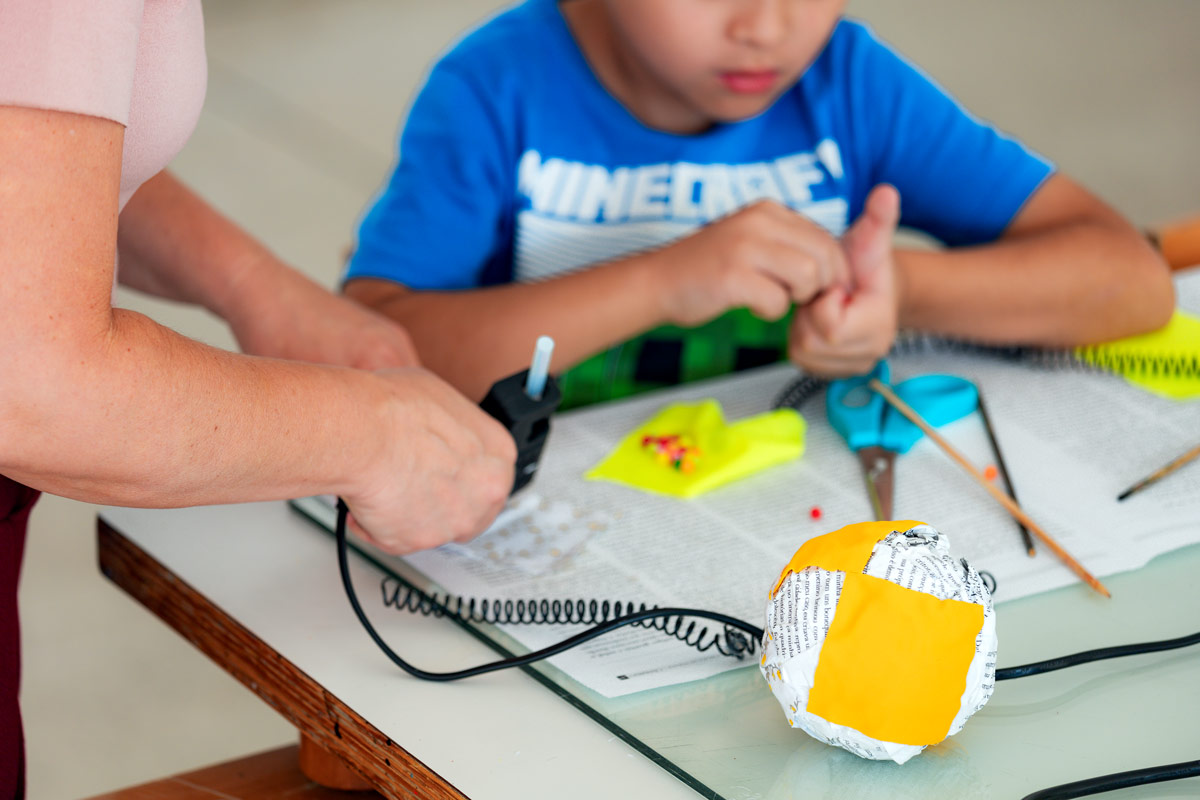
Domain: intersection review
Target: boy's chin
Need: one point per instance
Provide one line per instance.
(739, 109)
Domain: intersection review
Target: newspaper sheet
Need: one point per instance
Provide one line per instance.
(1072, 441)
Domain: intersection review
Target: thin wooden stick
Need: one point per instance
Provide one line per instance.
(1012, 490)
(1000, 496)
(1160, 474)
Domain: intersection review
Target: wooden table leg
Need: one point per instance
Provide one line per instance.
(325, 769)
(332, 725)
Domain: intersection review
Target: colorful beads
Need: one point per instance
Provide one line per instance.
(815, 512)
(990, 472)
(672, 450)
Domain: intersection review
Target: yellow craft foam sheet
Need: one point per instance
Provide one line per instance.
(879, 641)
(1156, 361)
(727, 452)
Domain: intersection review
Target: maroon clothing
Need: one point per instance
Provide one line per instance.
(16, 501)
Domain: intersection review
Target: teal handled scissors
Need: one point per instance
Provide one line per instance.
(877, 432)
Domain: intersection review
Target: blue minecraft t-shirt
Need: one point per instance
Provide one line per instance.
(516, 164)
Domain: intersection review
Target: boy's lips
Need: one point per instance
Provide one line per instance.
(747, 81)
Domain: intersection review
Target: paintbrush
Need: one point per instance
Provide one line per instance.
(1009, 504)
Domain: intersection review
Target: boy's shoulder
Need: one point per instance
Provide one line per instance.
(850, 31)
(852, 62)
(852, 40)
(512, 36)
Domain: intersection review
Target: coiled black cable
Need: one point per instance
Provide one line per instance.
(579, 611)
(1092, 358)
(609, 616)
(735, 631)
(732, 624)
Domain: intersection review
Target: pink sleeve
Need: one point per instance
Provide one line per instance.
(70, 55)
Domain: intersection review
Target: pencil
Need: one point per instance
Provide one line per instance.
(1000, 496)
(1003, 468)
(1160, 474)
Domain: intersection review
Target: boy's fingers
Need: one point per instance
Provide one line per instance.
(796, 269)
(883, 205)
(869, 240)
(827, 313)
(838, 368)
(821, 253)
(766, 296)
(808, 350)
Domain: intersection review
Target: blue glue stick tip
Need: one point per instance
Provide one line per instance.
(536, 383)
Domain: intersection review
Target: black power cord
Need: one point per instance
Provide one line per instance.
(403, 596)
(1102, 654)
(1119, 780)
(733, 626)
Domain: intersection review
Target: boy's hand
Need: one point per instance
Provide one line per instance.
(843, 333)
(764, 257)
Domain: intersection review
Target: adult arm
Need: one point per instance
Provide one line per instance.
(104, 405)
(173, 244)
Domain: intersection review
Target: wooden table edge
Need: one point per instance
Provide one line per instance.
(281, 684)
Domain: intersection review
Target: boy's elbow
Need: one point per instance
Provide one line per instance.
(1155, 293)
(1162, 306)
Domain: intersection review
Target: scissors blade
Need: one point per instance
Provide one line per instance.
(878, 471)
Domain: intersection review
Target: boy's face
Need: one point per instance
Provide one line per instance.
(719, 60)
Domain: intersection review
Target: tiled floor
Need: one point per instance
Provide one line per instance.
(304, 97)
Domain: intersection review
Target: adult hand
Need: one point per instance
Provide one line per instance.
(443, 470)
(764, 257)
(845, 333)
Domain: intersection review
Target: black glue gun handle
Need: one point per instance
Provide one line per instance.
(527, 419)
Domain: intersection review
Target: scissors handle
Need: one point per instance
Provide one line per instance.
(939, 399)
(855, 411)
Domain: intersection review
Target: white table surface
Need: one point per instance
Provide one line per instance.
(504, 736)
(501, 737)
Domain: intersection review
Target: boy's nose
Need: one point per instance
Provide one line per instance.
(760, 24)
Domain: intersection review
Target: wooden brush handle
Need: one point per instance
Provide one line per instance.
(1009, 504)
(1179, 242)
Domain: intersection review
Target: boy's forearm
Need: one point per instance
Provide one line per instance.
(1077, 283)
(474, 337)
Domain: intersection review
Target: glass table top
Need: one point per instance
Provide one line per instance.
(726, 736)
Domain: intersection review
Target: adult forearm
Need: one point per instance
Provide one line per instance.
(472, 338)
(1075, 284)
(145, 417)
(173, 244)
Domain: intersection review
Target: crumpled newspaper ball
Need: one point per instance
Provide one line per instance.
(879, 641)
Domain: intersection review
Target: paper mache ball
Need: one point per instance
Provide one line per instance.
(879, 641)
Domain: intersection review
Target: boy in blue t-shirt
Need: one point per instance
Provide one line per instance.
(655, 185)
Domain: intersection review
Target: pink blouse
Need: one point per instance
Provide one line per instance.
(138, 62)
